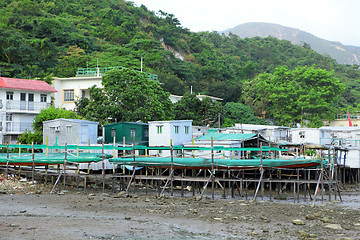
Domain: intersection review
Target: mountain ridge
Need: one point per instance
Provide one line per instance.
(343, 54)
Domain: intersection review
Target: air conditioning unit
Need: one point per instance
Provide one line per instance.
(57, 129)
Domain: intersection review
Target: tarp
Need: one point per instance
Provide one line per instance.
(218, 163)
(52, 158)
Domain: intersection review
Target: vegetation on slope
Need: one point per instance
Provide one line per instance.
(55, 37)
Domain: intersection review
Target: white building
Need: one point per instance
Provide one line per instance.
(161, 132)
(276, 134)
(311, 136)
(198, 131)
(343, 136)
(20, 101)
(70, 131)
(175, 98)
(71, 89)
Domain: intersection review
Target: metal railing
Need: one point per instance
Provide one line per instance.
(101, 71)
(26, 105)
(17, 127)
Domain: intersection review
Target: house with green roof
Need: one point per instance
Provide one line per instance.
(226, 140)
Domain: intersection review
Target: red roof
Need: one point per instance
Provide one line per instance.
(34, 85)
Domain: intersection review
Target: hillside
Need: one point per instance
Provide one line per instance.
(55, 37)
(342, 53)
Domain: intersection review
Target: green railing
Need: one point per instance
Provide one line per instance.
(101, 71)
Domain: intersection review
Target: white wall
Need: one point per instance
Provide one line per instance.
(353, 158)
(312, 135)
(75, 83)
(168, 133)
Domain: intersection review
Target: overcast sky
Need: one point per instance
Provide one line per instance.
(332, 20)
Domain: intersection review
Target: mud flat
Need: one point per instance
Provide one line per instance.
(95, 215)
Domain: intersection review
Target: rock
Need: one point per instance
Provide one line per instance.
(281, 196)
(23, 211)
(92, 194)
(127, 218)
(122, 194)
(327, 220)
(334, 226)
(310, 216)
(198, 197)
(303, 234)
(147, 200)
(38, 191)
(218, 219)
(298, 222)
(14, 225)
(105, 194)
(234, 218)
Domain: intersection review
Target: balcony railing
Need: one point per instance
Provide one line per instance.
(17, 127)
(25, 105)
(102, 70)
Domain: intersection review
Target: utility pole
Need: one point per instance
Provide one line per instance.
(219, 120)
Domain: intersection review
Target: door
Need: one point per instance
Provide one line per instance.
(31, 101)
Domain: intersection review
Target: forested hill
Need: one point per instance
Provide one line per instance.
(39, 38)
(342, 53)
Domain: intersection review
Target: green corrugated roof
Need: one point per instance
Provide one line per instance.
(227, 136)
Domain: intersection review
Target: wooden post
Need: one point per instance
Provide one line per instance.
(33, 163)
(7, 161)
(124, 144)
(65, 159)
(212, 169)
(19, 149)
(77, 146)
(47, 143)
(103, 165)
(172, 168)
(262, 172)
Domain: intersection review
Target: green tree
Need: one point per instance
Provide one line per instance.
(305, 94)
(128, 95)
(202, 112)
(51, 113)
(240, 113)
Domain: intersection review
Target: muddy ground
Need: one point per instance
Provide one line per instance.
(31, 212)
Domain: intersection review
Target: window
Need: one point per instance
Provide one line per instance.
(52, 130)
(31, 97)
(22, 96)
(68, 129)
(176, 129)
(146, 132)
(9, 96)
(302, 134)
(159, 129)
(43, 97)
(113, 132)
(186, 129)
(132, 132)
(69, 95)
(9, 117)
(83, 93)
